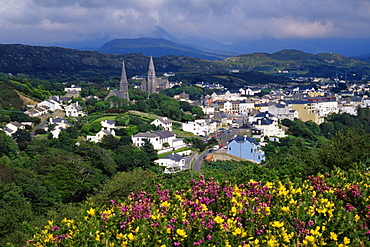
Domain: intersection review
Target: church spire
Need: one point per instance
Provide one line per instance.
(152, 79)
(124, 83)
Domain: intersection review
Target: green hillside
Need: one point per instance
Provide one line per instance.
(52, 62)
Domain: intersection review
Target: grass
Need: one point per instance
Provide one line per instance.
(176, 151)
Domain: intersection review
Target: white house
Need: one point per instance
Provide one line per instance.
(269, 124)
(12, 127)
(246, 106)
(58, 124)
(249, 91)
(108, 128)
(283, 111)
(164, 122)
(52, 104)
(200, 127)
(172, 163)
(158, 140)
(74, 110)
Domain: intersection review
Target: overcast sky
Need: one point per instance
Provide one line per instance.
(58, 22)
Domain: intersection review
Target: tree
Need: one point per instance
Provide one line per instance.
(109, 142)
(150, 151)
(22, 135)
(102, 159)
(7, 145)
(130, 157)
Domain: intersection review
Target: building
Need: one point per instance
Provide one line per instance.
(283, 111)
(160, 140)
(73, 91)
(74, 110)
(306, 110)
(246, 148)
(122, 93)
(200, 127)
(171, 163)
(152, 83)
(164, 122)
(268, 123)
(108, 128)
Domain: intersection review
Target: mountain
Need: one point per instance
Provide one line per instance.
(55, 62)
(158, 47)
(301, 63)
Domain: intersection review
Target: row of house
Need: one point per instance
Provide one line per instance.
(55, 103)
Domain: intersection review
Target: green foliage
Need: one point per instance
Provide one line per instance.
(7, 145)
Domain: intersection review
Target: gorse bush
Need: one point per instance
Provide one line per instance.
(331, 209)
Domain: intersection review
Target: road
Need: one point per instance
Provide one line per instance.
(224, 137)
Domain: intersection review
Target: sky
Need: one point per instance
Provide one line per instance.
(262, 25)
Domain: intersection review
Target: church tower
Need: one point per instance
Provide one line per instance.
(123, 89)
(151, 78)
(153, 84)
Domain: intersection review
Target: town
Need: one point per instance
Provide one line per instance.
(239, 122)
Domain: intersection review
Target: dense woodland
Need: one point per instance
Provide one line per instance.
(49, 179)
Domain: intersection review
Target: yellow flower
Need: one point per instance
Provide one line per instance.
(181, 233)
(237, 231)
(233, 211)
(310, 239)
(346, 240)
(285, 209)
(163, 245)
(333, 236)
(357, 217)
(272, 242)
(168, 230)
(277, 224)
(165, 204)
(218, 220)
(130, 236)
(91, 211)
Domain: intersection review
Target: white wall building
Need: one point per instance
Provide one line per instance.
(157, 139)
(164, 122)
(172, 163)
(200, 127)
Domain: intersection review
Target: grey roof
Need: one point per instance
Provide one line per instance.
(174, 156)
(147, 134)
(264, 121)
(110, 121)
(264, 114)
(252, 140)
(17, 124)
(244, 139)
(164, 134)
(164, 120)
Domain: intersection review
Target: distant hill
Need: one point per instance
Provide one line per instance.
(293, 62)
(55, 62)
(159, 47)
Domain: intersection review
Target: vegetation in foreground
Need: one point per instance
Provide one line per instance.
(330, 209)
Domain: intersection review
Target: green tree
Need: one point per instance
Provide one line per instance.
(7, 145)
(150, 151)
(109, 142)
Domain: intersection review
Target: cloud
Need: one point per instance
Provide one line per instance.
(48, 22)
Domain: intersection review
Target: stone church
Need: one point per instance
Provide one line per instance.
(122, 93)
(153, 84)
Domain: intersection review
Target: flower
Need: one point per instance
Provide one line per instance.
(218, 220)
(333, 236)
(181, 233)
(346, 240)
(91, 212)
(277, 224)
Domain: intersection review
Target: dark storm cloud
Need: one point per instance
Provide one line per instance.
(55, 21)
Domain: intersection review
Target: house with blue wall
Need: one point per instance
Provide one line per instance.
(246, 148)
